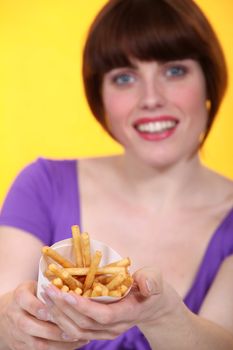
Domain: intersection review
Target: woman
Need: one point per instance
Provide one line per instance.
(154, 75)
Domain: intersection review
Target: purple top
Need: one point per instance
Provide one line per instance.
(44, 200)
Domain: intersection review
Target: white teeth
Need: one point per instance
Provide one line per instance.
(157, 126)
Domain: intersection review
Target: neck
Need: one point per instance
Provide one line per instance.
(160, 187)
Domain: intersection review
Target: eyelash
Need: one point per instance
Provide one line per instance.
(117, 77)
(180, 71)
(171, 71)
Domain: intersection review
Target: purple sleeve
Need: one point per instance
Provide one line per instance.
(29, 201)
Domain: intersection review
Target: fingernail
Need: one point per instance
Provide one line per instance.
(47, 300)
(151, 286)
(52, 293)
(43, 315)
(69, 298)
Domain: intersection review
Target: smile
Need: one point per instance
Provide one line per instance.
(156, 126)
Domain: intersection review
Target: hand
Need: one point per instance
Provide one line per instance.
(87, 319)
(25, 323)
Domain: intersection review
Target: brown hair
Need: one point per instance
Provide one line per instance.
(161, 30)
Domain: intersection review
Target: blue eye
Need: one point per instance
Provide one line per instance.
(123, 79)
(175, 71)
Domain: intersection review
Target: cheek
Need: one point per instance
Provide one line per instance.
(191, 100)
(117, 106)
(118, 109)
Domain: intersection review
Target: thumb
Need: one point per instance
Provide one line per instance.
(149, 281)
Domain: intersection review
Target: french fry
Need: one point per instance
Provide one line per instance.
(65, 289)
(57, 257)
(128, 281)
(96, 292)
(86, 250)
(77, 245)
(116, 281)
(126, 262)
(78, 291)
(104, 279)
(92, 270)
(104, 289)
(83, 271)
(87, 293)
(116, 293)
(70, 281)
(123, 289)
(84, 277)
(57, 282)
(49, 274)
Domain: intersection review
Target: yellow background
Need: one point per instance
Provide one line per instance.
(42, 106)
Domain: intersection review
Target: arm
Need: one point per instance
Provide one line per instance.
(212, 329)
(19, 256)
(24, 320)
(159, 312)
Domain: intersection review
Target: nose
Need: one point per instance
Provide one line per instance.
(152, 94)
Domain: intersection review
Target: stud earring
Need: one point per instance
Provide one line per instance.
(208, 104)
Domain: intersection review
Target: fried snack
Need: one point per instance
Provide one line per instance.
(67, 279)
(78, 291)
(116, 293)
(96, 292)
(116, 281)
(57, 257)
(65, 289)
(102, 287)
(77, 245)
(92, 270)
(104, 279)
(84, 277)
(128, 281)
(123, 289)
(87, 294)
(49, 274)
(126, 262)
(86, 249)
(83, 271)
(57, 282)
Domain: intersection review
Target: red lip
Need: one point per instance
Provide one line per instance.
(156, 136)
(154, 119)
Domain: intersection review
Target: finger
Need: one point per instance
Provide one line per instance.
(29, 325)
(84, 306)
(72, 330)
(26, 299)
(149, 281)
(101, 315)
(79, 325)
(53, 345)
(60, 310)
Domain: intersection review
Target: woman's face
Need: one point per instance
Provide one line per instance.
(157, 111)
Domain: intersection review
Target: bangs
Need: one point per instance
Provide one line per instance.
(161, 34)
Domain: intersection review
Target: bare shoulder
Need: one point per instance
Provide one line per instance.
(220, 179)
(220, 187)
(104, 161)
(91, 168)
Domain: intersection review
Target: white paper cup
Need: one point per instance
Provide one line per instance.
(65, 248)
